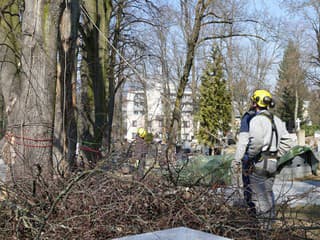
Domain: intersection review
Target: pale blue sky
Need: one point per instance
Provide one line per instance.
(272, 6)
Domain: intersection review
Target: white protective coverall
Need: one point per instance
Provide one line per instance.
(261, 180)
(236, 177)
(236, 165)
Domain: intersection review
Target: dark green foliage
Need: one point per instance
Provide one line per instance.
(149, 138)
(285, 108)
(214, 113)
(290, 89)
(310, 130)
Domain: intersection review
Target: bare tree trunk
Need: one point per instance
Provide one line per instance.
(296, 107)
(86, 109)
(191, 47)
(145, 97)
(194, 89)
(118, 127)
(10, 29)
(111, 73)
(65, 122)
(30, 122)
(162, 33)
(94, 66)
(2, 116)
(230, 77)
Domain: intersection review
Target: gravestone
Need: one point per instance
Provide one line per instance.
(179, 233)
(301, 135)
(299, 168)
(317, 139)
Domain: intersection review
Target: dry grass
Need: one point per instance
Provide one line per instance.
(306, 216)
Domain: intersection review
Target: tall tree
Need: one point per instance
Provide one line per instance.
(205, 26)
(314, 107)
(308, 11)
(65, 117)
(192, 42)
(2, 117)
(10, 30)
(95, 32)
(30, 70)
(290, 87)
(162, 34)
(215, 102)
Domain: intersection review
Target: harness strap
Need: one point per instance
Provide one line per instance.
(274, 131)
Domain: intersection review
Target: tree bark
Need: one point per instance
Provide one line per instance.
(111, 71)
(191, 47)
(30, 121)
(95, 63)
(65, 121)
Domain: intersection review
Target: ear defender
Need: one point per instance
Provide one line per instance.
(272, 104)
(268, 101)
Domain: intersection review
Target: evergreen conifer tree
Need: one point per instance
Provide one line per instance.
(290, 87)
(214, 114)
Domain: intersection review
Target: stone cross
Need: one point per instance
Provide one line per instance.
(298, 121)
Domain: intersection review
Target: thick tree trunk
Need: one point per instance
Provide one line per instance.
(65, 121)
(30, 122)
(95, 63)
(10, 29)
(2, 117)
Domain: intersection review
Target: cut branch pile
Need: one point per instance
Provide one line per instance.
(100, 205)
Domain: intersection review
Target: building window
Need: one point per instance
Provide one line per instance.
(138, 104)
(133, 135)
(134, 123)
(185, 137)
(185, 124)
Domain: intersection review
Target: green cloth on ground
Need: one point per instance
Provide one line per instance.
(305, 152)
(216, 169)
(204, 170)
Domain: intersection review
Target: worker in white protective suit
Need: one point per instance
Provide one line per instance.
(238, 180)
(265, 134)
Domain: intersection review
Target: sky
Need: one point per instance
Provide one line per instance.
(272, 7)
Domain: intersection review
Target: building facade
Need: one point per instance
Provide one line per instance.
(135, 113)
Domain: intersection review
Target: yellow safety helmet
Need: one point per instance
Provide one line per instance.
(142, 132)
(262, 98)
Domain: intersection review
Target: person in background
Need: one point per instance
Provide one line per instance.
(260, 158)
(140, 151)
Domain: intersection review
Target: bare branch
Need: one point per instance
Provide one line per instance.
(231, 36)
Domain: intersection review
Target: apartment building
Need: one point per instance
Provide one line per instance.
(134, 112)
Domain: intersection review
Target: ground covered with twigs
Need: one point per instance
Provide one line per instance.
(96, 204)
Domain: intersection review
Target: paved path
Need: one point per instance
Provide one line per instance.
(297, 192)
